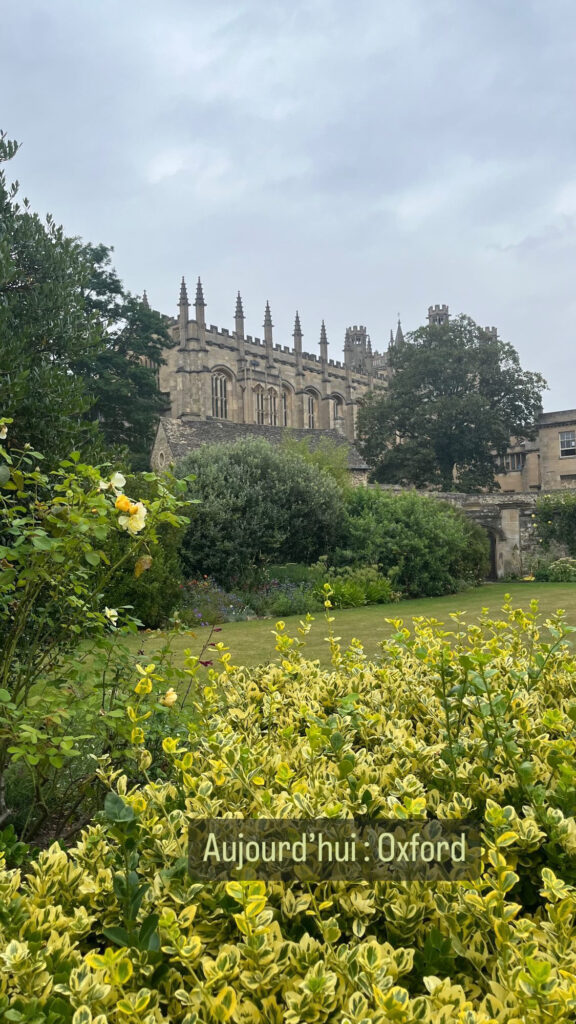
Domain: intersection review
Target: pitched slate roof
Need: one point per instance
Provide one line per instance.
(183, 437)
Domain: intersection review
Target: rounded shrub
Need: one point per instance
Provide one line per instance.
(426, 546)
(563, 570)
(258, 504)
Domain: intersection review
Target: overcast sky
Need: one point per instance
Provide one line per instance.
(351, 159)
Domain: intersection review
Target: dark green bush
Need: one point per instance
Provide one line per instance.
(258, 504)
(424, 545)
(354, 587)
(298, 572)
(294, 601)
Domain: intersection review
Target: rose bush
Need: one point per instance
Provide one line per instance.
(62, 661)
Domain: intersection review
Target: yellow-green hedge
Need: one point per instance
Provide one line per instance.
(408, 736)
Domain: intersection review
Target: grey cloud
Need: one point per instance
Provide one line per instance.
(348, 159)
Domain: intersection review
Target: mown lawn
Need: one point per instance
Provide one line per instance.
(252, 643)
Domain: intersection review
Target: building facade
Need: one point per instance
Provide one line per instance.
(547, 463)
(245, 385)
(216, 373)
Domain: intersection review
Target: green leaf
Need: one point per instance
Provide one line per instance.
(7, 577)
(148, 932)
(42, 542)
(337, 741)
(116, 810)
(119, 936)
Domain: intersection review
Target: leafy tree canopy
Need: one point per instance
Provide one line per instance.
(122, 376)
(326, 454)
(78, 354)
(456, 396)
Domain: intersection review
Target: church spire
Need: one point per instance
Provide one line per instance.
(399, 340)
(323, 343)
(297, 335)
(200, 305)
(145, 302)
(183, 314)
(239, 317)
(268, 325)
(183, 301)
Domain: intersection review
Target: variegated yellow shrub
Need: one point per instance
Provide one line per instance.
(449, 724)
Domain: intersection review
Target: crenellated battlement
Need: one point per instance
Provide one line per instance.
(438, 315)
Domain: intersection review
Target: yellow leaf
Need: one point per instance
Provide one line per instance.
(142, 564)
(506, 839)
(121, 972)
(255, 905)
(224, 1004)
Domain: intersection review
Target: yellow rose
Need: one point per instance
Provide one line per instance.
(169, 698)
(123, 503)
(135, 521)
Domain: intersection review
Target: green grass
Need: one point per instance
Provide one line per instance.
(252, 643)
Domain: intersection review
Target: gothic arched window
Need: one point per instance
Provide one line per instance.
(311, 410)
(260, 410)
(220, 396)
(337, 405)
(273, 407)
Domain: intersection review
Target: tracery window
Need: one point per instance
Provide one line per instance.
(337, 411)
(273, 407)
(311, 411)
(260, 411)
(285, 412)
(220, 396)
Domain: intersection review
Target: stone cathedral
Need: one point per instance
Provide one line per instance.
(224, 384)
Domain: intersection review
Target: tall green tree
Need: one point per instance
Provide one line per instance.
(122, 377)
(456, 396)
(79, 356)
(44, 328)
